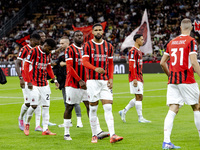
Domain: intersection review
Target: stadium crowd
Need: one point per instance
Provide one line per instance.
(57, 17)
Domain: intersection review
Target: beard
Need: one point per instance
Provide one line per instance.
(98, 37)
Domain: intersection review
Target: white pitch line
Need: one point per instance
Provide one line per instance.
(52, 99)
(133, 96)
(59, 98)
(9, 89)
(144, 91)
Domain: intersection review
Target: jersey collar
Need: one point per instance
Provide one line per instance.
(77, 46)
(97, 43)
(29, 46)
(40, 50)
(183, 35)
(137, 48)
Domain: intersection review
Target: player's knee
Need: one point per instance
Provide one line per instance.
(71, 107)
(27, 104)
(107, 107)
(195, 107)
(34, 106)
(93, 109)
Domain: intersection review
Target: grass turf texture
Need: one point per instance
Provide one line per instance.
(137, 136)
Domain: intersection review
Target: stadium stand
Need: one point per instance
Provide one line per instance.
(56, 19)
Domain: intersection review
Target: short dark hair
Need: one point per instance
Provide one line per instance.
(76, 32)
(96, 24)
(50, 42)
(137, 36)
(35, 36)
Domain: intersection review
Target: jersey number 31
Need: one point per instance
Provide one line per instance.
(174, 54)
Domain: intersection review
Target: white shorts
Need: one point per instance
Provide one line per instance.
(98, 90)
(40, 95)
(75, 96)
(183, 93)
(26, 93)
(136, 90)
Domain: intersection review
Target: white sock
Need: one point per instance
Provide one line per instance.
(37, 116)
(98, 126)
(67, 123)
(109, 118)
(138, 106)
(93, 119)
(168, 124)
(45, 117)
(24, 108)
(78, 119)
(130, 105)
(29, 114)
(197, 120)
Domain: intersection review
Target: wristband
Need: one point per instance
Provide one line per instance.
(55, 81)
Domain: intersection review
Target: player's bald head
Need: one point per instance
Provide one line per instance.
(186, 24)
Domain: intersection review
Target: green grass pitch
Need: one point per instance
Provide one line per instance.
(137, 136)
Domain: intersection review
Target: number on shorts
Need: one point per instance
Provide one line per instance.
(47, 97)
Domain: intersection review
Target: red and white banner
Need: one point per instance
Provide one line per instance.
(145, 31)
(87, 31)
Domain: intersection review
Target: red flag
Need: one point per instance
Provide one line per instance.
(87, 31)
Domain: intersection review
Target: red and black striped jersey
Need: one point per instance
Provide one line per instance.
(180, 67)
(135, 71)
(74, 53)
(39, 61)
(23, 53)
(98, 54)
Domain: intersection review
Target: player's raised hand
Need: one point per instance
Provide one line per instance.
(100, 70)
(110, 83)
(135, 83)
(82, 84)
(22, 83)
(30, 85)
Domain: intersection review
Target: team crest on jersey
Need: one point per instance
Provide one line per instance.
(196, 26)
(66, 56)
